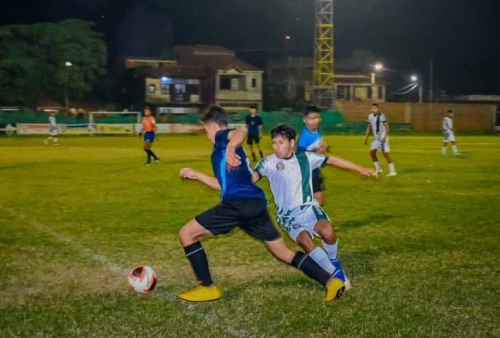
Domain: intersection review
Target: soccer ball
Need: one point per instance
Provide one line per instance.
(142, 279)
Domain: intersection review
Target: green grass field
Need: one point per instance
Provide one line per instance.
(422, 249)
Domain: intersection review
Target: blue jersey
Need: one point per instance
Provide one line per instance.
(234, 182)
(253, 123)
(310, 141)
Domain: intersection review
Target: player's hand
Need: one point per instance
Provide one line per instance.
(232, 159)
(366, 173)
(383, 140)
(188, 173)
(322, 148)
(366, 142)
(139, 135)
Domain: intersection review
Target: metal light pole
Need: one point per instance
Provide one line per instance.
(377, 68)
(66, 94)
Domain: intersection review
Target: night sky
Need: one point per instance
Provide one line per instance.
(462, 37)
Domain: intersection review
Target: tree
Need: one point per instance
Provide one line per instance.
(52, 59)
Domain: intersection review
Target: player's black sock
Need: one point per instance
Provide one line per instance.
(261, 154)
(253, 156)
(308, 266)
(148, 156)
(153, 154)
(198, 259)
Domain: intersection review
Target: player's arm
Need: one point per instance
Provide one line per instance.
(188, 173)
(347, 165)
(386, 125)
(235, 138)
(256, 177)
(367, 133)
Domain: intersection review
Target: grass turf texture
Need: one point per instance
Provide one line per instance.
(422, 249)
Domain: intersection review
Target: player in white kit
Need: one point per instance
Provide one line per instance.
(449, 135)
(298, 212)
(377, 123)
(52, 130)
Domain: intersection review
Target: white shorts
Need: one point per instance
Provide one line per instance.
(53, 132)
(302, 220)
(384, 147)
(449, 137)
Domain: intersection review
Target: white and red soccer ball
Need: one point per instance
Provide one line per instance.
(142, 279)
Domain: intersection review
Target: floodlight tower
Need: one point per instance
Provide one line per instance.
(323, 71)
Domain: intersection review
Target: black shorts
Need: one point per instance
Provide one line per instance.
(318, 184)
(250, 214)
(251, 139)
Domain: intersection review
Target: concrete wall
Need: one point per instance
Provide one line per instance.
(468, 117)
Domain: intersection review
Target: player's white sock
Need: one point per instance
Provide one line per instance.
(320, 257)
(391, 168)
(377, 166)
(455, 149)
(443, 151)
(331, 249)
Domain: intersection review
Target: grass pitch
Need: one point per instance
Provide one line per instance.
(422, 249)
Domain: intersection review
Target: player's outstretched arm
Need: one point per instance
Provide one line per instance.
(235, 138)
(345, 164)
(367, 133)
(190, 174)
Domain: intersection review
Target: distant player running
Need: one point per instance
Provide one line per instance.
(53, 132)
(449, 135)
(243, 205)
(298, 212)
(310, 140)
(149, 131)
(254, 126)
(377, 122)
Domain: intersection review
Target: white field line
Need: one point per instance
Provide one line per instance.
(210, 319)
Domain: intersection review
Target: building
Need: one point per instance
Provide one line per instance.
(199, 76)
(291, 77)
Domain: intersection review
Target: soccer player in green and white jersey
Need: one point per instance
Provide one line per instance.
(299, 213)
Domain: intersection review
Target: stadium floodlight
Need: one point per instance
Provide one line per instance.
(378, 66)
(68, 64)
(414, 78)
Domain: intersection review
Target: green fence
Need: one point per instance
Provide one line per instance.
(332, 122)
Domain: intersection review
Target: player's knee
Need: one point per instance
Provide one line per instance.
(186, 236)
(305, 241)
(325, 231)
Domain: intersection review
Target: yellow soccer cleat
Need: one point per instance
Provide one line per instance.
(334, 289)
(202, 294)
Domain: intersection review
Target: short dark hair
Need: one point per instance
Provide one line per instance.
(375, 105)
(253, 106)
(284, 131)
(311, 109)
(216, 115)
(450, 110)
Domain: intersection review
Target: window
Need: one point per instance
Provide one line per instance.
(152, 88)
(225, 83)
(254, 83)
(164, 90)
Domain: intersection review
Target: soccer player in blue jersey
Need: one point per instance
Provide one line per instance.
(242, 205)
(254, 127)
(310, 140)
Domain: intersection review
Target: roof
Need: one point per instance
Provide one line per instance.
(215, 57)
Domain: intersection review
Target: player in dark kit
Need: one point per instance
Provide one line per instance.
(254, 127)
(242, 205)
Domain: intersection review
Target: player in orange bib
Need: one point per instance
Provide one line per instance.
(149, 131)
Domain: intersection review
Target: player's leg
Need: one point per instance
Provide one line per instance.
(250, 145)
(444, 148)
(190, 235)
(261, 227)
(257, 143)
(454, 147)
(305, 241)
(146, 147)
(324, 229)
(334, 286)
(392, 168)
(318, 190)
(373, 154)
